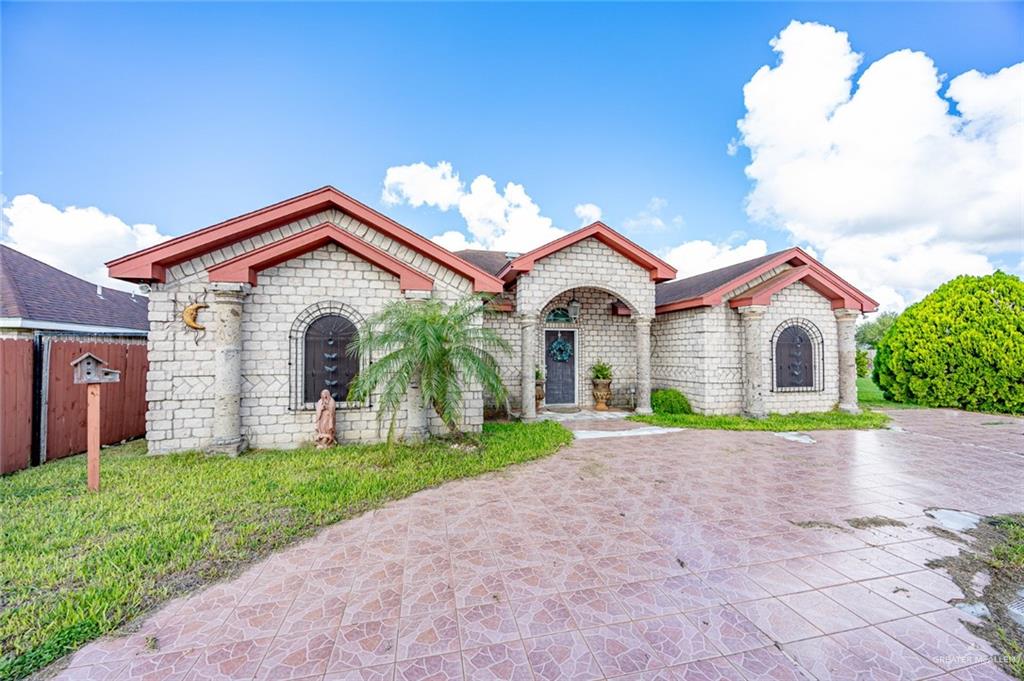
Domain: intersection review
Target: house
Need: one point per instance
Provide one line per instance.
(47, 318)
(288, 286)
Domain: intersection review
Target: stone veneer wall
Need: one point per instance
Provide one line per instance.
(588, 263)
(180, 380)
(700, 352)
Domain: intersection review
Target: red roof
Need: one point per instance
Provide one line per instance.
(710, 288)
(245, 267)
(658, 268)
(150, 264)
(36, 292)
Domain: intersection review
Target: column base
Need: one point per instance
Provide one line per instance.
(755, 414)
(230, 446)
(849, 408)
(643, 411)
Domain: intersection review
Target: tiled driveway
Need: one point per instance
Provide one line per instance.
(671, 556)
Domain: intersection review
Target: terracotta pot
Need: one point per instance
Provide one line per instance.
(539, 393)
(602, 393)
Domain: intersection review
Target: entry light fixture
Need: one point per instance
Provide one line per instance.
(574, 309)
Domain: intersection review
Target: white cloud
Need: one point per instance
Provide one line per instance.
(896, 192)
(694, 257)
(588, 213)
(419, 184)
(650, 218)
(506, 219)
(76, 240)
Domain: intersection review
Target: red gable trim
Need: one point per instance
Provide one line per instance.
(245, 267)
(763, 292)
(150, 264)
(658, 268)
(805, 268)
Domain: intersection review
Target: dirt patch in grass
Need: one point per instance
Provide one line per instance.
(817, 525)
(943, 533)
(994, 551)
(874, 521)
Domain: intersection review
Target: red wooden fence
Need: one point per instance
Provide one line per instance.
(123, 404)
(15, 404)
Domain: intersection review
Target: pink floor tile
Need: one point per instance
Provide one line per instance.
(865, 603)
(769, 664)
(364, 645)
(935, 645)
(425, 635)
(644, 599)
(621, 649)
(821, 611)
(229, 661)
(676, 639)
(594, 607)
(780, 622)
(544, 615)
(717, 669)
(296, 656)
(481, 625)
(728, 629)
(497, 662)
(562, 657)
(434, 668)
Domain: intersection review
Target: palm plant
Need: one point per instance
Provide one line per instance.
(441, 348)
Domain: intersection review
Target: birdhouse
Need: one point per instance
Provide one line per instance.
(89, 369)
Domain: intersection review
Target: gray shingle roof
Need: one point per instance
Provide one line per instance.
(491, 262)
(699, 284)
(33, 290)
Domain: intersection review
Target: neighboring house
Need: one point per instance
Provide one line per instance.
(47, 318)
(289, 285)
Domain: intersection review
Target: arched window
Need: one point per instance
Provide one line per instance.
(320, 360)
(797, 357)
(328, 364)
(559, 315)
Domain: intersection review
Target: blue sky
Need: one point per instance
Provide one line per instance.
(180, 115)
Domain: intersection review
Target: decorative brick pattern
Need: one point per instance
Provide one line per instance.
(700, 352)
(180, 388)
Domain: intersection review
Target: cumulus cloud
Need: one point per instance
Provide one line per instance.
(499, 219)
(650, 218)
(76, 240)
(893, 188)
(694, 257)
(588, 213)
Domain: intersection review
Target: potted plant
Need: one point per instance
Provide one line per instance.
(601, 376)
(538, 376)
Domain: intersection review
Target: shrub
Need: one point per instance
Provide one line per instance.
(601, 371)
(862, 363)
(961, 346)
(670, 401)
(870, 333)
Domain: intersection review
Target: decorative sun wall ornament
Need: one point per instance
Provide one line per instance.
(560, 350)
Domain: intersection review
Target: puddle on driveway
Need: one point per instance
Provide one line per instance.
(974, 608)
(952, 519)
(633, 432)
(802, 438)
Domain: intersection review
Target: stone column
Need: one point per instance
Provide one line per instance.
(755, 351)
(528, 365)
(643, 364)
(846, 321)
(417, 423)
(227, 383)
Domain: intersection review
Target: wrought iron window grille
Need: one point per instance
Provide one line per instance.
(797, 357)
(299, 394)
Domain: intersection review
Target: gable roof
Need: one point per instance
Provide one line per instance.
(150, 264)
(491, 262)
(709, 288)
(659, 269)
(245, 267)
(32, 291)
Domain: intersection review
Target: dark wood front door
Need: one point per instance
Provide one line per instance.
(560, 367)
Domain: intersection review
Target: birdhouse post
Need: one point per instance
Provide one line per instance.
(89, 369)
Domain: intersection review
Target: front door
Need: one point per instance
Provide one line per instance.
(560, 366)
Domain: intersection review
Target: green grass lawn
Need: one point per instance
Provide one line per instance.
(75, 565)
(832, 420)
(870, 395)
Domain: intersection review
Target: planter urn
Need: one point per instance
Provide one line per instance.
(538, 392)
(602, 393)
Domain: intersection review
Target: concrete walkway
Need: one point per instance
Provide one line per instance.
(686, 555)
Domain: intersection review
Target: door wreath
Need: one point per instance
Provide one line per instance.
(560, 350)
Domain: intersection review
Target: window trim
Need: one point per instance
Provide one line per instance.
(817, 342)
(297, 352)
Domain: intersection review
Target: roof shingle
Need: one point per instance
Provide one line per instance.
(700, 284)
(33, 290)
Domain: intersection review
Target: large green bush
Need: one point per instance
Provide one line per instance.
(862, 363)
(669, 401)
(962, 346)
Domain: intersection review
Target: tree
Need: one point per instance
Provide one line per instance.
(443, 348)
(870, 333)
(961, 346)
